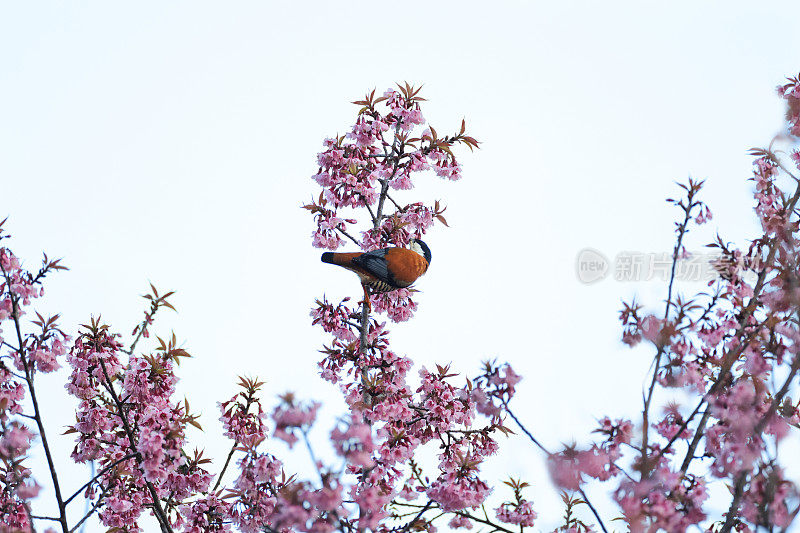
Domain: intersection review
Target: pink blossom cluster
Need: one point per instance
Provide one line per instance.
(243, 419)
(264, 497)
(666, 500)
(17, 486)
(404, 420)
(355, 443)
(458, 489)
(87, 379)
(444, 405)
(13, 504)
(768, 497)
(731, 440)
(569, 467)
(17, 283)
(12, 393)
(290, 416)
(494, 389)
(378, 153)
(334, 319)
(397, 305)
(404, 112)
(518, 513)
(445, 167)
(406, 224)
(206, 514)
(128, 424)
(328, 227)
(769, 204)
(791, 93)
(256, 491)
(460, 522)
(672, 425)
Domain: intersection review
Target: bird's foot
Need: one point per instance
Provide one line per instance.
(366, 301)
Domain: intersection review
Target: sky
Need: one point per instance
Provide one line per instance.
(173, 143)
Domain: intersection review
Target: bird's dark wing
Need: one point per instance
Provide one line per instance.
(375, 263)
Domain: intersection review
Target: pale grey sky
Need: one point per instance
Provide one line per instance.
(173, 143)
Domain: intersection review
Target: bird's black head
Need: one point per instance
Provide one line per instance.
(422, 249)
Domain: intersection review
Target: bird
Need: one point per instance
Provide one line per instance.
(386, 269)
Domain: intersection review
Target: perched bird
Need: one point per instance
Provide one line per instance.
(386, 269)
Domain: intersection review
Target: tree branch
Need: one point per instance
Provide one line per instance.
(15, 311)
(417, 517)
(690, 204)
(96, 477)
(90, 512)
(225, 466)
(343, 232)
(163, 520)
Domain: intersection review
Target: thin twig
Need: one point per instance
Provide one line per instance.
(311, 454)
(95, 478)
(343, 232)
(486, 521)
(90, 512)
(12, 347)
(143, 325)
(592, 508)
(497, 527)
(417, 517)
(225, 466)
(695, 441)
(395, 203)
(525, 430)
(371, 214)
(354, 324)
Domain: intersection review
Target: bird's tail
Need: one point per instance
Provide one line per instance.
(341, 259)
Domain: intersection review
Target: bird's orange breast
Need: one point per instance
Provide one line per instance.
(405, 265)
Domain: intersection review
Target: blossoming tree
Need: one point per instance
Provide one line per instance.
(735, 350)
